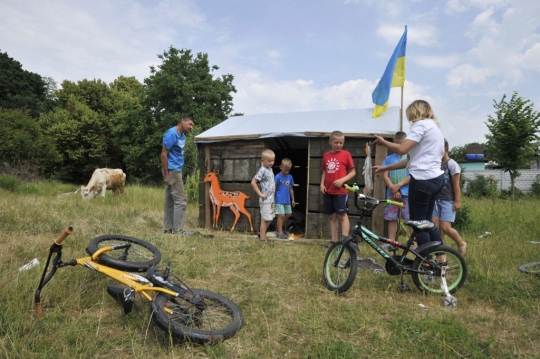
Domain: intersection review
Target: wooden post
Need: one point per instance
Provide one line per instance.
(208, 208)
(379, 191)
(401, 112)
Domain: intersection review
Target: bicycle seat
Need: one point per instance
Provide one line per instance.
(423, 226)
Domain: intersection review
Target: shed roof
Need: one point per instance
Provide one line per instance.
(353, 122)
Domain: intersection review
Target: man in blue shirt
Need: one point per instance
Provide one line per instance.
(172, 162)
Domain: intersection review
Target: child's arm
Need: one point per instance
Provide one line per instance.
(323, 187)
(291, 191)
(255, 186)
(394, 166)
(351, 173)
(457, 192)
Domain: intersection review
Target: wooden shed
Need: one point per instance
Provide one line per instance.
(235, 145)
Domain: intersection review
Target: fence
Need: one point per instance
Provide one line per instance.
(523, 182)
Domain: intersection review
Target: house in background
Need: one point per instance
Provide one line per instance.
(475, 159)
(235, 145)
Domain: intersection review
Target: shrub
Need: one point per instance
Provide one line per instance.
(535, 187)
(192, 187)
(482, 186)
(463, 217)
(507, 193)
(9, 183)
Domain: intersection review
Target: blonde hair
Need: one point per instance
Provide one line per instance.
(420, 110)
(337, 134)
(286, 163)
(267, 154)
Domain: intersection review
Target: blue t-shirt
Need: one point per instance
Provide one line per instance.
(283, 188)
(396, 175)
(175, 143)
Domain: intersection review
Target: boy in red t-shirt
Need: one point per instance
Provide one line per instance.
(337, 169)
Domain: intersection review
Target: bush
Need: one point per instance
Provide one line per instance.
(535, 187)
(192, 187)
(507, 193)
(482, 186)
(463, 217)
(9, 183)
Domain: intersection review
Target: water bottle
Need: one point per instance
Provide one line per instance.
(485, 234)
(30, 265)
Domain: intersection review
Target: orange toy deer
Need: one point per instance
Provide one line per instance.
(234, 200)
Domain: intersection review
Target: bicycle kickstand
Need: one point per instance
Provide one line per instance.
(403, 287)
(449, 301)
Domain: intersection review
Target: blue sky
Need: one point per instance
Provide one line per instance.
(298, 55)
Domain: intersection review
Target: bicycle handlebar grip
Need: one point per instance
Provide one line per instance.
(64, 235)
(38, 311)
(353, 188)
(394, 203)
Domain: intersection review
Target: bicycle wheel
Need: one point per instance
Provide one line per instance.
(138, 258)
(530, 268)
(219, 320)
(456, 270)
(341, 277)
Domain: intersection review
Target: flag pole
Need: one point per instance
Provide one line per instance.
(401, 112)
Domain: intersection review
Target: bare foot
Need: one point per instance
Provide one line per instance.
(462, 248)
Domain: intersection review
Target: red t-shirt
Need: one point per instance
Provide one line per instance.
(336, 165)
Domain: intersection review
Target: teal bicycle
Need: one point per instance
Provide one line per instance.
(434, 267)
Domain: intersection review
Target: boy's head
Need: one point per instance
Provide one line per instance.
(267, 158)
(399, 136)
(337, 139)
(446, 147)
(285, 166)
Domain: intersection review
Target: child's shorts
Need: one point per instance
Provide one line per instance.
(391, 212)
(444, 210)
(283, 209)
(267, 211)
(335, 203)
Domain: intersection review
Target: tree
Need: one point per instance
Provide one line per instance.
(512, 135)
(81, 136)
(181, 84)
(18, 147)
(20, 88)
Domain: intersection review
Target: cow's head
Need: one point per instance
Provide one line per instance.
(88, 193)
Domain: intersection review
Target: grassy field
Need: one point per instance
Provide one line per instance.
(288, 311)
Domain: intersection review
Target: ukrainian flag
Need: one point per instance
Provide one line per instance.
(394, 76)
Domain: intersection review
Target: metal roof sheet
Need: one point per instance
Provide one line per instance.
(352, 122)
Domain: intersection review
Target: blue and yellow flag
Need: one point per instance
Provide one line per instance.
(394, 76)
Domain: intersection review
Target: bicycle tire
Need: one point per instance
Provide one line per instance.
(456, 272)
(341, 277)
(221, 320)
(141, 256)
(530, 268)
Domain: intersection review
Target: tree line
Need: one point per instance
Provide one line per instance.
(66, 133)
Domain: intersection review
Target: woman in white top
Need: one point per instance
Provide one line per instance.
(425, 148)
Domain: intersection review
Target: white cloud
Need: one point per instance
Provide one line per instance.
(424, 35)
(466, 74)
(437, 61)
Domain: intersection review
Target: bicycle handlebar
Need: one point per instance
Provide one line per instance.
(64, 235)
(355, 188)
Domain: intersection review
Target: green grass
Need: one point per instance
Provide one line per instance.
(287, 309)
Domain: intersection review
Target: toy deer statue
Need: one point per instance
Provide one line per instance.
(234, 200)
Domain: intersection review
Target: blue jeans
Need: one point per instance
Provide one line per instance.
(175, 203)
(422, 195)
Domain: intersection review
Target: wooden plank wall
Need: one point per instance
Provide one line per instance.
(238, 161)
(317, 222)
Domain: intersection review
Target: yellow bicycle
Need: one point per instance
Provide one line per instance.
(190, 314)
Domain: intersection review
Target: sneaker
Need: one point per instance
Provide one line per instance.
(167, 231)
(282, 235)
